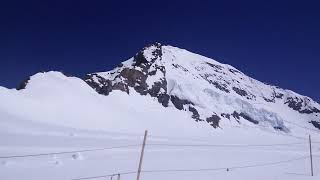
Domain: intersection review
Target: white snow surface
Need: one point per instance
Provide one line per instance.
(56, 113)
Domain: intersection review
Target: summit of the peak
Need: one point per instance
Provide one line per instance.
(148, 54)
(155, 44)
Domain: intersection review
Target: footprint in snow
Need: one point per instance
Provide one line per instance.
(77, 156)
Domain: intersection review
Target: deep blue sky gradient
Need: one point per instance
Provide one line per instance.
(277, 42)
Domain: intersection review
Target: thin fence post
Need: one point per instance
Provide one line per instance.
(310, 148)
(141, 155)
(118, 177)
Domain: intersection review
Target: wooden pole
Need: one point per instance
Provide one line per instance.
(118, 177)
(141, 155)
(310, 148)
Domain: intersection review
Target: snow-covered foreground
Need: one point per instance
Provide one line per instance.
(233, 148)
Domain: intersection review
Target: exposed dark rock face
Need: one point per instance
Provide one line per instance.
(135, 79)
(315, 110)
(248, 118)
(140, 59)
(179, 103)
(294, 103)
(121, 86)
(103, 87)
(315, 124)
(297, 104)
(310, 111)
(234, 71)
(279, 128)
(226, 115)
(220, 86)
(213, 120)
(216, 68)
(23, 84)
(243, 93)
(274, 95)
(195, 114)
(164, 99)
(268, 100)
(237, 116)
(278, 95)
(120, 65)
(239, 91)
(177, 66)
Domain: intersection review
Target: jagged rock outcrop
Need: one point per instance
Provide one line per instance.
(143, 69)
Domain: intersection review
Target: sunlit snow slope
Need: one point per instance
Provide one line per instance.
(206, 120)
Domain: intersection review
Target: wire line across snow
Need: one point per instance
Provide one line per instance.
(151, 144)
(203, 169)
(67, 152)
(226, 145)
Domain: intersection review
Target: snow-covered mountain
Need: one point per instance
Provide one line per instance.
(206, 89)
(181, 98)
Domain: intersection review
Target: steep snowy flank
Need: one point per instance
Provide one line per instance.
(206, 89)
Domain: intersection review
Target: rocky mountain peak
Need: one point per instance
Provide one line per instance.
(148, 54)
(135, 74)
(206, 89)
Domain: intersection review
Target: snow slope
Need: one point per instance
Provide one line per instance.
(186, 101)
(52, 98)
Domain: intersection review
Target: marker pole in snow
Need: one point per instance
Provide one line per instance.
(310, 148)
(142, 152)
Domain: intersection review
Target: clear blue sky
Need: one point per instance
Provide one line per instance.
(277, 42)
